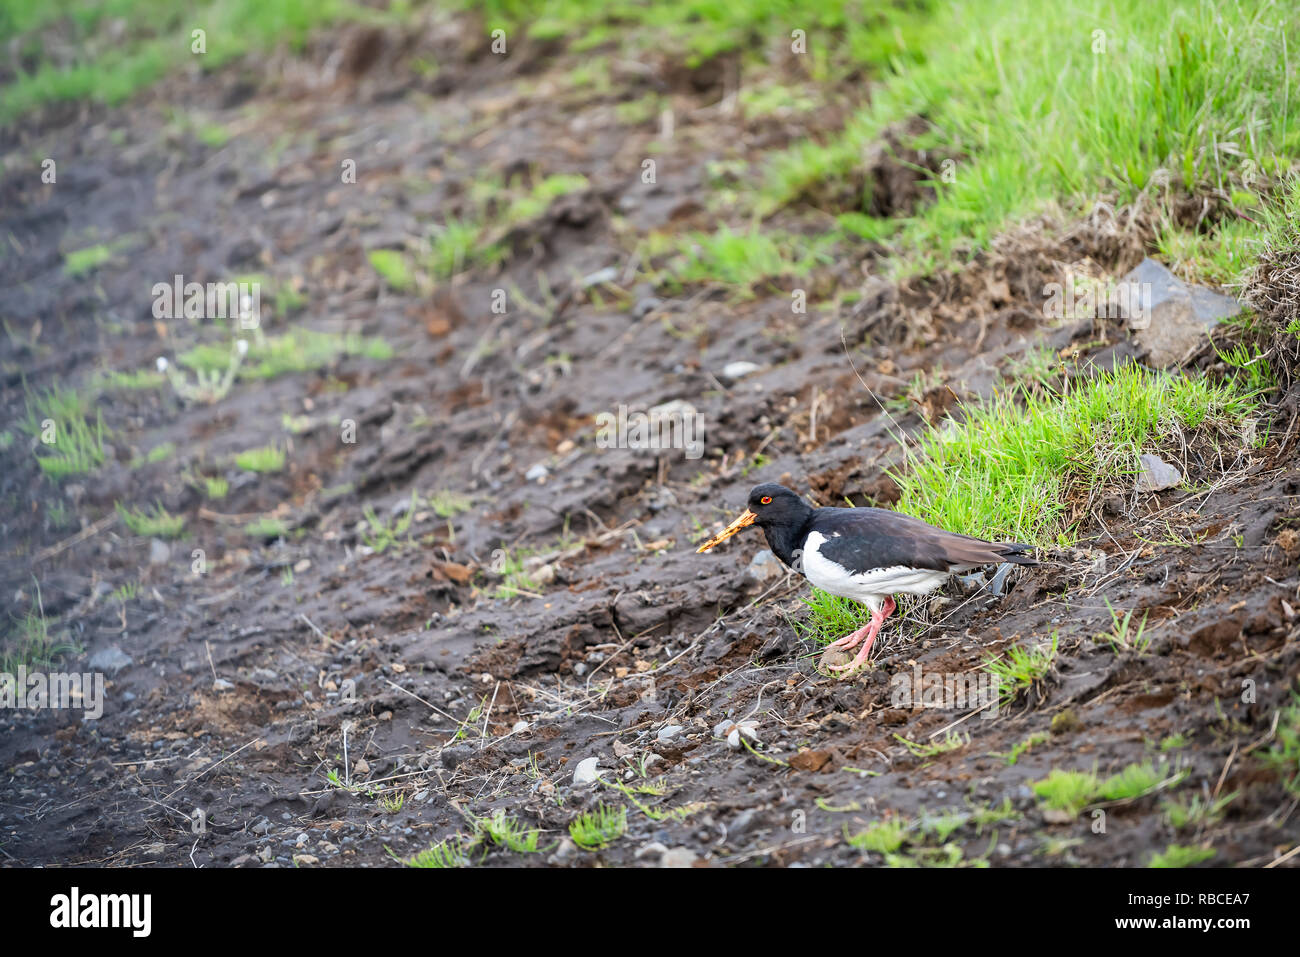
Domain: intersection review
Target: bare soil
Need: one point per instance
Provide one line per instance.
(629, 631)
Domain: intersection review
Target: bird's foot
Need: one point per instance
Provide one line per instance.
(852, 640)
(861, 658)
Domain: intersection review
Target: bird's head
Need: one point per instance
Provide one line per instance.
(770, 505)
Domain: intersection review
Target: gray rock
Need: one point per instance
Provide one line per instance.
(608, 274)
(764, 567)
(1156, 474)
(654, 848)
(646, 306)
(1169, 318)
(221, 684)
(678, 857)
(160, 553)
(112, 659)
(738, 370)
(669, 732)
(584, 774)
(537, 473)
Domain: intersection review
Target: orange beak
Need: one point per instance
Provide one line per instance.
(744, 521)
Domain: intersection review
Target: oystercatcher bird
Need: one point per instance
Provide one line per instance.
(868, 554)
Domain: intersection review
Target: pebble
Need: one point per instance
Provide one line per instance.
(654, 847)
(738, 370)
(678, 857)
(111, 658)
(519, 727)
(1156, 474)
(537, 473)
(221, 684)
(585, 773)
(666, 734)
(160, 552)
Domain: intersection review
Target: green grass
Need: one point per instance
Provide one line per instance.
(451, 852)
(384, 535)
(1021, 669)
(830, 617)
(1072, 791)
(1068, 791)
(1283, 756)
(448, 504)
(61, 416)
(155, 523)
(266, 527)
(598, 828)
(29, 642)
(1176, 855)
(103, 66)
(1196, 812)
(1025, 464)
(475, 237)
(214, 486)
(298, 350)
(744, 259)
(83, 261)
(1003, 77)
(1020, 747)
(883, 837)
(504, 831)
(269, 458)
(1123, 636)
(515, 580)
(394, 267)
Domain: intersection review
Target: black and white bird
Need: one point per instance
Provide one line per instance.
(868, 554)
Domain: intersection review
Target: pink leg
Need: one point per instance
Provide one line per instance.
(868, 633)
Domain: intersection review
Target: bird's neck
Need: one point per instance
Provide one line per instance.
(784, 539)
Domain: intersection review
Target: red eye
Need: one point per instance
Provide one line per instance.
(766, 500)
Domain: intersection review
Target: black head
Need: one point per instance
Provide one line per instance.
(775, 505)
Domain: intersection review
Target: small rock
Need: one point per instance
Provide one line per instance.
(537, 473)
(764, 567)
(1169, 318)
(112, 659)
(678, 857)
(305, 860)
(600, 276)
(738, 370)
(585, 773)
(221, 684)
(645, 306)
(669, 732)
(653, 848)
(519, 727)
(1157, 474)
(160, 552)
(361, 767)
(302, 565)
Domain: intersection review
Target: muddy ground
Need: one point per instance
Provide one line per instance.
(232, 694)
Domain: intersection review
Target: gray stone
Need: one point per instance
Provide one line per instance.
(764, 567)
(112, 659)
(738, 370)
(160, 553)
(669, 732)
(585, 773)
(1169, 318)
(1157, 474)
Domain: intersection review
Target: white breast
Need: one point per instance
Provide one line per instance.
(870, 587)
